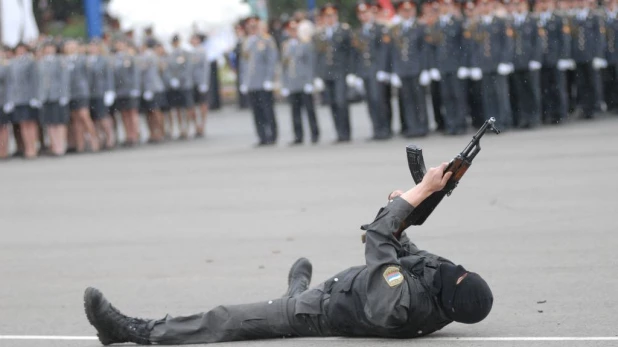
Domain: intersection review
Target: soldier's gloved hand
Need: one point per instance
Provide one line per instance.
(572, 64)
(382, 76)
(8, 107)
(504, 69)
(435, 74)
(599, 63)
(134, 93)
(308, 89)
(476, 73)
(34, 103)
(395, 81)
(534, 65)
(359, 84)
(350, 80)
(108, 98)
(425, 78)
(268, 86)
(285, 92)
(463, 73)
(319, 84)
(243, 89)
(63, 101)
(174, 83)
(563, 64)
(148, 95)
(203, 88)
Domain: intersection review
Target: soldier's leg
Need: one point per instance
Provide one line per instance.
(519, 92)
(254, 102)
(387, 108)
(271, 120)
(436, 103)
(505, 116)
(372, 97)
(419, 103)
(330, 96)
(460, 103)
(297, 121)
(571, 83)
(309, 104)
(561, 97)
(406, 106)
(586, 89)
(401, 103)
(489, 95)
(548, 94)
(447, 93)
(341, 99)
(534, 78)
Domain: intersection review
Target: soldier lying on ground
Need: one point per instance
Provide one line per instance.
(401, 292)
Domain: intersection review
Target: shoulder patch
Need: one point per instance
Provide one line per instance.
(393, 276)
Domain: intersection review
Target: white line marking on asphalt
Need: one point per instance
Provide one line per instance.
(449, 339)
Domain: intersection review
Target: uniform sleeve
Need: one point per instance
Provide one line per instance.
(311, 57)
(273, 58)
(35, 81)
(507, 43)
(538, 49)
(388, 296)
(350, 51)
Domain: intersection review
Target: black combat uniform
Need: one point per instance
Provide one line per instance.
(399, 293)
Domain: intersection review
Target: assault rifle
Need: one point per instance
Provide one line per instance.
(458, 166)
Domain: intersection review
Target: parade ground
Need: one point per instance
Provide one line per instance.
(183, 227)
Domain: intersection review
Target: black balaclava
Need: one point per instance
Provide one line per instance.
(467, 302)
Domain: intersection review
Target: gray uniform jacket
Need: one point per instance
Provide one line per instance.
(526, 43)
(588, 38)
(259, 60)
(494, 44)
(447, 45)
(470, 44)
(370, 50)
(554, 38)
(23, 80)
(298, 64)
(179, 68)
(151, 78)
(53, 79)
(201, 68)
(78, 77)
(4, 82)
(409, 50)
(126, 76)
(611, 32)
(335, 53)
(100, 75)
(393, 295)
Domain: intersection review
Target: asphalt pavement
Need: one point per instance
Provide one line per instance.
(182, 227)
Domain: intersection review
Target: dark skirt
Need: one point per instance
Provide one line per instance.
(98, 110)
(127, 104)
(5, 118)
(78, 104)
(155, 104)
(200, 98)
(54, 114)
(180, 98)
(24, 113)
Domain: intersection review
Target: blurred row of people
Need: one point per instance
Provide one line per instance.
(463, 61)
(61, 96)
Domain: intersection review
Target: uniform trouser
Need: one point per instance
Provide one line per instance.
(553, 95)
(587, 88)
(496, 99)
(414, 106)
(571, 87)
(264, 115)
(610, 87)
(454, 100)
(526, 94)
(298, 101)
(387, 95)
(284, 317)
(375, 104)
(475, 103)
(338, 97)
(436, 103)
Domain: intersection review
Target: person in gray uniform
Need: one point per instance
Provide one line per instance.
(370, 66)
(201, 77)
(335, 59)
(494, 57)
(589, 56)
(54, 95)
(448, 55)
(164, 105)
(409, 73)
(6, 106)
(259, 59)
(102, 95)
(610, 74)
(298, 73)
(180, 80)
(23, 83)
(127, 83)
(470, 49)
(554, 37)
(527, 57)
(79, 105)
(153, 90)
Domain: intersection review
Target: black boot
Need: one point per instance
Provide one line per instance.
(112, 326)
(299, 277)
